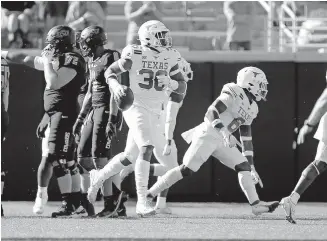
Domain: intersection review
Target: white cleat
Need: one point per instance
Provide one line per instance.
(264, 207)
(289, 209)
(164, 210)
(96, 184)
(40, 201)
(144, 209)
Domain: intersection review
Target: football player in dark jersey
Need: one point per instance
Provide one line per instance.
(99, 105)
(64, 72)
(5, 73)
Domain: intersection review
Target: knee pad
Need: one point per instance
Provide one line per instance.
(60, 171)
(86, 163)
(100, 162)
(185, 171)
(244, 166)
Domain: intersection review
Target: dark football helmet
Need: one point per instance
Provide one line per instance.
(61, 38)
(91, 38)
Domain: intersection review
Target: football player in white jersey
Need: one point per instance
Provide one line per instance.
(152, 67)
(166, 151)
(319, 165)
(234, 109)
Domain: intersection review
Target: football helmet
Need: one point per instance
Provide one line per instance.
(186, 69)
(254, 80)
(154, 33)
(91, 38)
(60, 38)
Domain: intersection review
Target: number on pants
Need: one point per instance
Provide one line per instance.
(151, 80)
(235, 124)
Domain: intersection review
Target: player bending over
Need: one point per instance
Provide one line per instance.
(166, 152)
(152, 66)
(319, 165)
(100, 127)
(234, 109)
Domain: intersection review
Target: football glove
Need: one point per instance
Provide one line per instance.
(41, 128)
(167, 148)
(229, 140)
(47, 53)
(255, 177)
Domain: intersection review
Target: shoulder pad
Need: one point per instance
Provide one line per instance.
(72, 60)
(174, 53)
(131, 50)
(233, 89)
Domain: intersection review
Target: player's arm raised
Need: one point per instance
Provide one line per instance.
(35, 62)
(317, 112)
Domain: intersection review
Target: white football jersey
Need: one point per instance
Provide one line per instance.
(147, 65)
(239, 109)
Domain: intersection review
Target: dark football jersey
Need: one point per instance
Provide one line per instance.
(97, 68)
(65, 98)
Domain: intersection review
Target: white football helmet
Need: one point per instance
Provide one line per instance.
(154, 33)
(254, 80)
(186, 69)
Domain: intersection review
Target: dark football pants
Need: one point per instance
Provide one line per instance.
(94, 134)
(61, 141)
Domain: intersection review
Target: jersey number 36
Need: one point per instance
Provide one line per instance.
(150, 79)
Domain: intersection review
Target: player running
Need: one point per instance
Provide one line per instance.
(100, 126)
(166, 152)
(152, 66)
(234, 109)
(319, 165)
(5, 73)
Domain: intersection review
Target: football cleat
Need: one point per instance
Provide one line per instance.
(40, 201)
(79, 212)
(264, 207)
(289, 209)
(65, 210)
(144, 209)
(164, 210)
(88, 206)
(95, 185)
(121, 208)
(111, 205)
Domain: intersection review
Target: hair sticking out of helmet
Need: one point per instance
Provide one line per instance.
(254, 80)
(154, 34)
(61, 38)
(91, 38)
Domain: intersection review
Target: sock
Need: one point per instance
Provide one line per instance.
(65, 183)
(85, 182)
(166, 181)
(107, 187)
(76, 180)
(142, 170)
(295, 197)
(112, 168)
(161, 202)
(248, 187)
(42, 189)
(158, 170)
(117, 181)
(76, 199)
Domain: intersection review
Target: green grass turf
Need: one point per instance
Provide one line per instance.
(190, 221)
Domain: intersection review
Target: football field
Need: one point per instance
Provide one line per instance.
(190, 221)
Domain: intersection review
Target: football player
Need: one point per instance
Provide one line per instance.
(5, 73)
(166, 152)
(100, 126)
(152, 66)
(234, 109)
(319, 165)
(64, 72)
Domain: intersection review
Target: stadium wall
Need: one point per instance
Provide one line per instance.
(295, 82)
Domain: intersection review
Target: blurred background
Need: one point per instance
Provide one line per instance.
(286, 39)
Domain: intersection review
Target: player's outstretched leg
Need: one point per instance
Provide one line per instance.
(114, 166)
(44, 174)
(248, 187)
(309, 174)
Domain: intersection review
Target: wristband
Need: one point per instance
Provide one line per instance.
(217, 124)
(306, 122)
